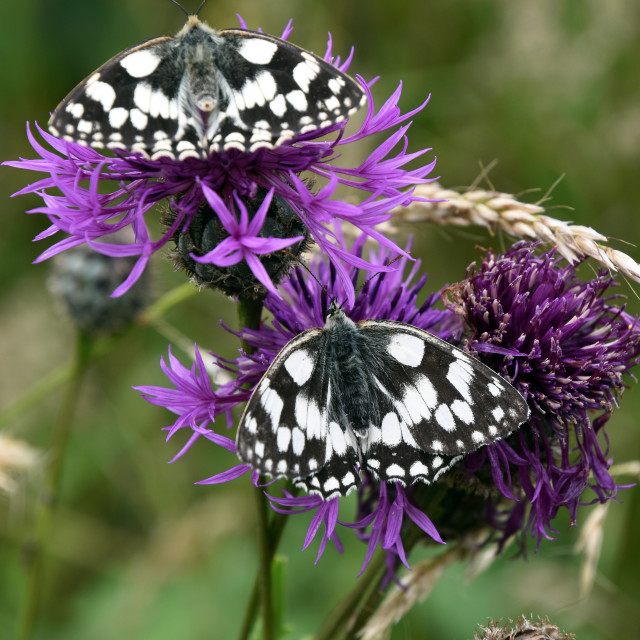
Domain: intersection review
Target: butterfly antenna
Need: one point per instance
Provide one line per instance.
(306, 268)
(370, 278)
(200, 7)
(182, 8)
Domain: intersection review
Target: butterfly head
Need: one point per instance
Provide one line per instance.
(334, 308)
(185, 11)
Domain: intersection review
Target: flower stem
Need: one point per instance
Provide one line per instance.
(35, 548)
(277, 527)
(340, 623)
(249, 316)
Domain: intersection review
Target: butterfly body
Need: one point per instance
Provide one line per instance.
(376, 395)
(205, 91)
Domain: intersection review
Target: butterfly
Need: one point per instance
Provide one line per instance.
(204, 91)
(378, 396)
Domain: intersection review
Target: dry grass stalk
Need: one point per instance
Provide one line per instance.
(16, 458)
(501, 211)
(416, 587)
(523, 629)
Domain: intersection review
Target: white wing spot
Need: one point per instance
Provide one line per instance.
(416, 405)
(391, 433)
(445, 418)
(283, 437)
(101, 92)
(419, 469)
(85, 126)
(460, 376)
(436, 445)
(437, 462)
(140, 64)
(76, 109)
(142, 96)
(252, 95)
(333, 104)
(395, 470)
(494, 389)
(303, 73)
(373, 463)
(477, 437)
(278, 106)
(257, 50)
(308, 416)
(267, 85)
(332, 484)
(297, 441)
(138, 119)
(272, 404)
(117, 117)
(348, 479)
(282, 466)
(299, 366)
(492, 430)
(312, 463)
(334, 86)
(297, 100)
(498, 413)
(462, 411)
(406, 349)
(251, 424)
(337, 439)
(427, 391)
(259, 449)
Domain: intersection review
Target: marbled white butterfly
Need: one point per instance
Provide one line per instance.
(379, 395)
(205, 91)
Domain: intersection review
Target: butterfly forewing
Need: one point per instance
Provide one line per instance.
(439, 403)
(450, 402)
(205, 91)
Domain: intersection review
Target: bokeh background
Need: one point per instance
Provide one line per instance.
(546, 89)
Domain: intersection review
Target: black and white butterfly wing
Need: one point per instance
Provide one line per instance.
(288, 430)
(278, 90)
(438, 403)
(129, 103)
(205, 91)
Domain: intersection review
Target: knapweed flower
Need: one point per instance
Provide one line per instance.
(390, 295)
(88, 195)
(565, 345)
(82, 281)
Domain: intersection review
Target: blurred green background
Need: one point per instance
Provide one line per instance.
(545, 88)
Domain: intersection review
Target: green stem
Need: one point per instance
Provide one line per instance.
(249, 316)
(277, 527)
(49, 497)
(342, 619)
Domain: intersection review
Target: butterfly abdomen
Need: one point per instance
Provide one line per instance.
(351, 374)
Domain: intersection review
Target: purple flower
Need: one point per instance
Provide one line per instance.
(390, 295)
(562, 342)
(565, 346)
(89, 196)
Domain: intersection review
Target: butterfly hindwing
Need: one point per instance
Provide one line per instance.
(205, 91)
